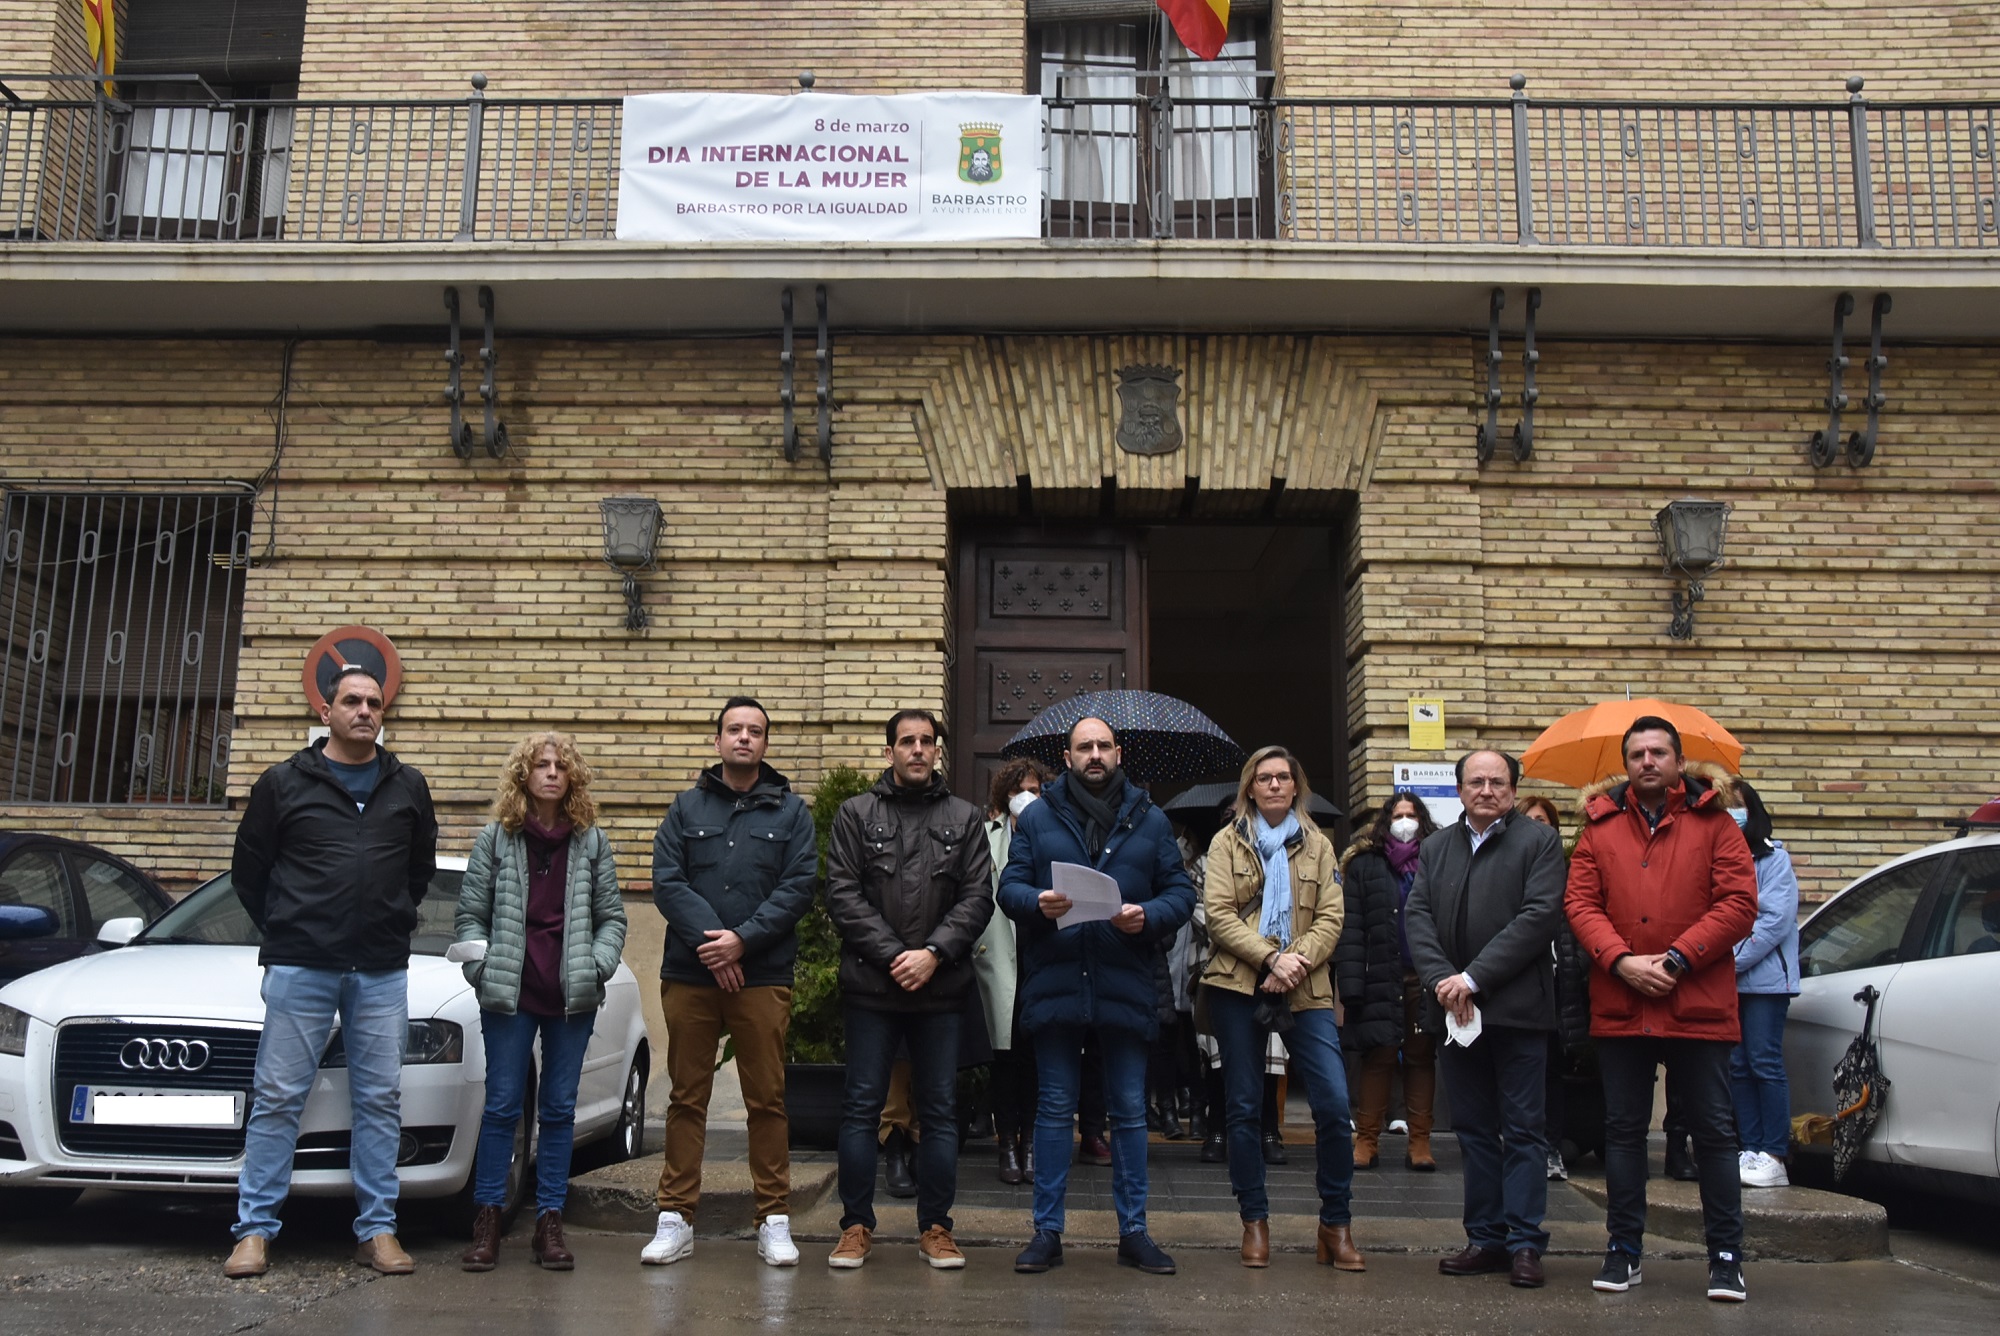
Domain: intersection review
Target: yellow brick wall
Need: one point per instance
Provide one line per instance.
(1636, 48)
(1847, 642)
(585, 48)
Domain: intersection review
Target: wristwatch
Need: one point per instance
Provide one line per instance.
(1674, 963)
(935, 953)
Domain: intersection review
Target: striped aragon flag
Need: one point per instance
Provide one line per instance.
(99, 35)
(1202, 25)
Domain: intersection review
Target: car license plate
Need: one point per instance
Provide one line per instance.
(138, 1106)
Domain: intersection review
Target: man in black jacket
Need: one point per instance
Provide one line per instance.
(909, 889)
(337, 847)
(733, 869)
(1481, 917)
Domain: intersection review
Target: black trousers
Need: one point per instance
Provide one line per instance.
(1698, 1084)
(1496, 1110)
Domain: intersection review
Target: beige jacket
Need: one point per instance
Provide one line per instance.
(1233, 896)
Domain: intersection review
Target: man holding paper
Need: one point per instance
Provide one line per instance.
(1088, 961)
(1482, 918)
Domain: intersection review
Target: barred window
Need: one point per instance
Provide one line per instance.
(120, 619)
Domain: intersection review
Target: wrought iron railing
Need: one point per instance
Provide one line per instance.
(1494, 171)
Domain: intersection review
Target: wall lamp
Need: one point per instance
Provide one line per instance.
(631, 533)
(1691, 535)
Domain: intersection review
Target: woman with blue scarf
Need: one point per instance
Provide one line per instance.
(1274, 908)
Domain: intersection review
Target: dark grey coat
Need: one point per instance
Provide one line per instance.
(1492, 915)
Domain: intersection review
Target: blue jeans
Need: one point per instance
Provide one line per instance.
(510, 1041)
(300, 1005)
(1763, 1095)
(1313, 1044)
(1498, 1092)
(872, 1040)
(1059, 1064)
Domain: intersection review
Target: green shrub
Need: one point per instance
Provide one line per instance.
(816, 1031)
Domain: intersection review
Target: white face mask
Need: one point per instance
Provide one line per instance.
(1019, 802)
(1741, 816)
(1403, 828)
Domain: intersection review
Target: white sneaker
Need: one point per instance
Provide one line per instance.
(673, 1240)
(1764, 1171)
(774, 1241)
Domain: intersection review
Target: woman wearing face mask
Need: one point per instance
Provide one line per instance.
(1379, 989)
(1274, 912)
(541, 889)
(1767, 979)
(1016, 784)
(1572, 1011)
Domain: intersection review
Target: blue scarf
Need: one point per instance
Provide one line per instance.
(1276, 922)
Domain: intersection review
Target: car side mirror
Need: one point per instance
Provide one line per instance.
(20, 922)
(117, 932)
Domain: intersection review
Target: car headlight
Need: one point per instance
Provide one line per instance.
(430, 1041)
(13, 1031)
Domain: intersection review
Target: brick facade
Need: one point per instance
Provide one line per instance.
(1844, 641)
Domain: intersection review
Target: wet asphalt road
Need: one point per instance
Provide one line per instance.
(152, 1264)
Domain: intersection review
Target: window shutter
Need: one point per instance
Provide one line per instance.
(224, 41)
(1045, 12)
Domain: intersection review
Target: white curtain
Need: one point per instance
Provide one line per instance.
(1093, 151)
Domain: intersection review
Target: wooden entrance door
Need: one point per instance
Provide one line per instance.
(1041, 617)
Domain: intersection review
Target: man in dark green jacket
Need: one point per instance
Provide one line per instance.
(1482, 917)
(733, 869)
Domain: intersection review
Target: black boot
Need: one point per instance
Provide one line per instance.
(896, 1167)
(1011, 1168)
(1680, 1159)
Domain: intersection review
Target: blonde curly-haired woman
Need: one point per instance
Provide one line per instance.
(541, 889)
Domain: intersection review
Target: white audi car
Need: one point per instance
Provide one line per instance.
(132, 1069)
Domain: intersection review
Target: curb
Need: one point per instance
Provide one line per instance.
(619, 1198)
(1793, 1224)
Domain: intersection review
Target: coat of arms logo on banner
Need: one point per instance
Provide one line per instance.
(1150, 423)
(979, 153)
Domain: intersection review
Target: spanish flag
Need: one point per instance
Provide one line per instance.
(99, 37)
(1202, 25)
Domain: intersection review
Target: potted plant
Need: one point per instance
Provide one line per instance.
(815, 1046)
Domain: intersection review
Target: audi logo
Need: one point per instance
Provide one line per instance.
(163, 1055)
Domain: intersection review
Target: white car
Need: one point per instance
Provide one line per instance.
(177, 1012)
(1924, 932)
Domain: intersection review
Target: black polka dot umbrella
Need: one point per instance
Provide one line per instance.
(1164, 740)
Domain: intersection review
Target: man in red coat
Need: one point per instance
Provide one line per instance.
(1661, 888)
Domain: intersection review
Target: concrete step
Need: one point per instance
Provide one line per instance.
(620, 1197)
(1795, 1224)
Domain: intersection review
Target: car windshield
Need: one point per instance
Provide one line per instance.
(212, 915)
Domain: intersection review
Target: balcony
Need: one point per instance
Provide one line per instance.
(1734, 217)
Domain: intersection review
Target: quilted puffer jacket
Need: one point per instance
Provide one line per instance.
(493, 904)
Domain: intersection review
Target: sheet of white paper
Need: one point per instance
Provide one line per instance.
(464, 953)
(1093, 896)
(1462, 1035)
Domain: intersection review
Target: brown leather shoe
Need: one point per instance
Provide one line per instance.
(1527, 1270)
(548, 1247)
(385, 1255)
(1475, 1261)
(1256, 1243)
(484, 1254)
(250, 1257)
(1337, 1250)
(1418, 1156)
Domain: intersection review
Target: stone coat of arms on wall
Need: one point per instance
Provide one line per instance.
(1149, 422)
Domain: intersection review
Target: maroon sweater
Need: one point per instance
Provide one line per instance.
(548, 878)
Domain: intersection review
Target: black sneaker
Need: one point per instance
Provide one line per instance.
(1042, 1252)
(1725, 1279)
(1620, 1273)
(1139, 1250)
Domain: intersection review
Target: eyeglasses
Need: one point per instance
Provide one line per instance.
(1274, 781)
(1488, 784)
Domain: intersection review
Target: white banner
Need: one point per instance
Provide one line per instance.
(828, 167)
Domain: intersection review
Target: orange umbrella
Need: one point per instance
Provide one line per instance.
(1581, 748)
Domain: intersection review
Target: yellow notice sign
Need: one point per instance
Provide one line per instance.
(1426, 723)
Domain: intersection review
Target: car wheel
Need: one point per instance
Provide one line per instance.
(628, 1138)
(520, 1165)
(36, 1203)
